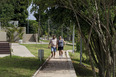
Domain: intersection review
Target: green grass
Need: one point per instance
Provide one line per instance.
(20, 66)
(81, 70)
(45, 40)
(68, 47)
(24, 67)
(33, 48)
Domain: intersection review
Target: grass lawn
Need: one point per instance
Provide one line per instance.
(33, 48)
(24, 67)
(81, 70)
(20, 66)
(45, 40)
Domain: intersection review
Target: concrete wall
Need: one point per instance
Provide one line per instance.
(3, 36)
(0, 26)
(26, 37)
(29, 38)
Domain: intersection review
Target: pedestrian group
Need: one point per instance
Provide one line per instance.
(56, 44)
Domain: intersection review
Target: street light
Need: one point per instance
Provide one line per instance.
(28, 19)
(48, 28)
(62, 31)
(0, 26)
(73, 36)
(80, 49)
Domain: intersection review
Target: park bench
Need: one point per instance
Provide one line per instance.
(5, 48)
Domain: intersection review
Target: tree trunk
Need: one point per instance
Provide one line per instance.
(101, 71)
(39, 28)
(87, 45)
(48, 29)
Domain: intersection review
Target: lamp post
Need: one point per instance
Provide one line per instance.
(80, 49)
(0, 26)
(73, 36)
(28, 19)
(62, 31)
(48, 28)
(39, 24)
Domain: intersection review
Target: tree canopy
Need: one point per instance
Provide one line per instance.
(96, 21)
(14, 10)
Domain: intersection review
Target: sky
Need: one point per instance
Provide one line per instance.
(31, 17)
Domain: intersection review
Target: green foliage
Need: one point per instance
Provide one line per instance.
(20, 11)
(81, 70)
(10, 32)
(6, 12)
(14, 10)
(33, 26)
(58, 17)
(95, 14)
(21, 66)
(20, 32)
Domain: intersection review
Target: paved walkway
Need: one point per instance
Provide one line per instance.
(36, 42)
(19, 50)
(58, 67)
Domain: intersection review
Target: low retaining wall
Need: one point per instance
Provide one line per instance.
(26, 37)
(29, 38)
(3, 36)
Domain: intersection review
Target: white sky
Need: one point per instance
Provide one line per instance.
(31, 17)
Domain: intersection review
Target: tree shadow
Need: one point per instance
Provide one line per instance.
(83, 70)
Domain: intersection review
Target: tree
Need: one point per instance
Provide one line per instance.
(14, 10)
(100, 33)
(20, 11)
(6, 12)
(56, 17)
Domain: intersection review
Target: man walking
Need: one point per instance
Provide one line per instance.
(53, 43)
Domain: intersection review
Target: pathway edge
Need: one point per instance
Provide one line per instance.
(34, 75)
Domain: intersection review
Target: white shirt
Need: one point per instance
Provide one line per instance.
(53, 42)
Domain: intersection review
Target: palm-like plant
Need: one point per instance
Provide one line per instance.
(10, 32)
(20, 31)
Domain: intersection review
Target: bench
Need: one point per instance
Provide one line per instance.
(5, 48)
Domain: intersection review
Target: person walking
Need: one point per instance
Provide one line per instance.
(61, 43)
(53, 43)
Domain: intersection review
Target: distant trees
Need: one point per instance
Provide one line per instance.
(20, 11)
(33, 26)
(6, 12)
(14, 10)
(57, 17)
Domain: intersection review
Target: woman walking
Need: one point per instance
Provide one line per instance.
(61, 43)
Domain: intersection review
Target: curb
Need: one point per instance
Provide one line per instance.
(70, 62)
(34, 75)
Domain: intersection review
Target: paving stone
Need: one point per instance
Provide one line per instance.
(58, 67)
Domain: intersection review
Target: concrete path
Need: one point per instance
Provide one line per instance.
(58, 67)
(19, 50)
(36, 42)
(4, 55)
